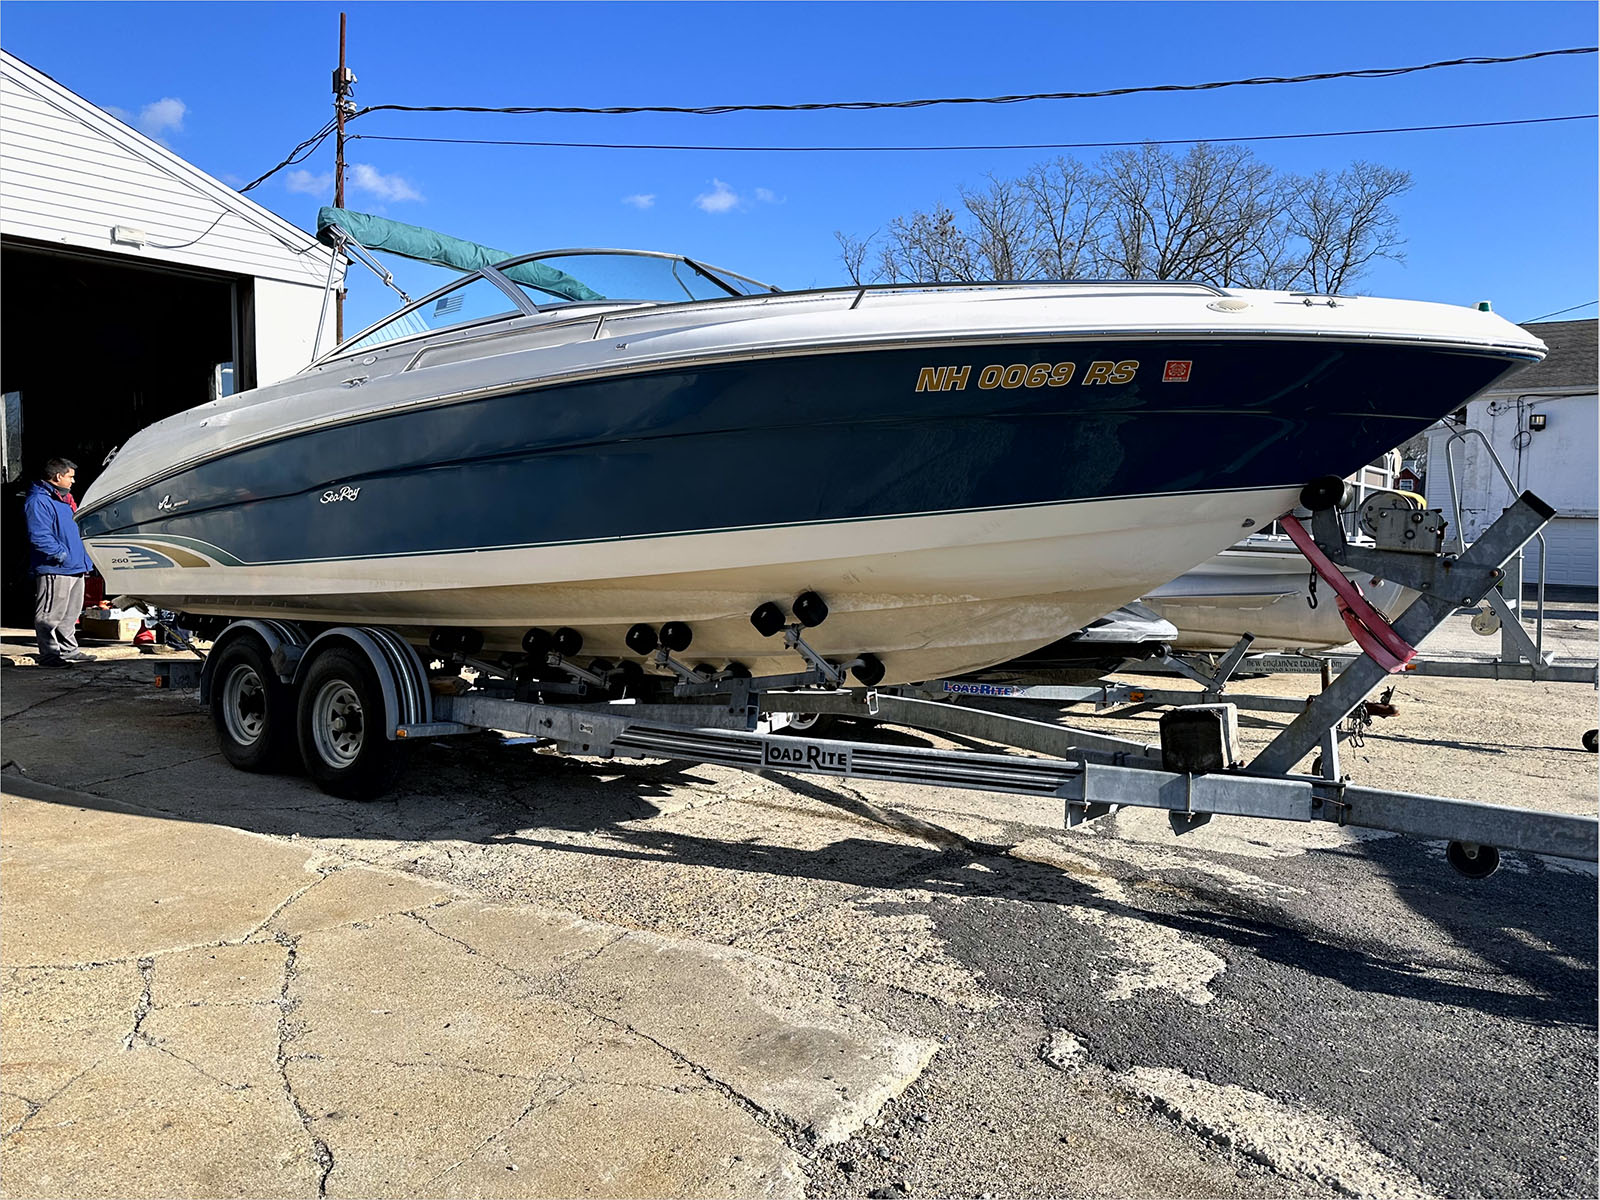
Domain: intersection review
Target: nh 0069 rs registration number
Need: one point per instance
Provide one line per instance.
(793, 755)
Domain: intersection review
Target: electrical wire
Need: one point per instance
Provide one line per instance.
(867, 105)
(1260, 137)
(309, 146)
(191, 241)
(1558, 312)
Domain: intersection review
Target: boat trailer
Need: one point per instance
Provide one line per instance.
(348, 698)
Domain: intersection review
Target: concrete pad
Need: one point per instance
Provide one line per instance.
(145, 1124)
(97, 884)
(771, 1033)
(397, 1130)
(688, 1141)
(351, 895)
(235, 1046)
(529, 942)
(219, 975)
(56, 1024)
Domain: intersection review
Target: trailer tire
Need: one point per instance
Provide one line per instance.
(252, 710)
(810, 724)
(1591, 740)
(343, 729)
(1473, 860)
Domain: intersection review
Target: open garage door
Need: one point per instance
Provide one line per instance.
(93, 349)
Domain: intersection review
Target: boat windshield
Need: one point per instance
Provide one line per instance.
(623, 275)
(557, 278)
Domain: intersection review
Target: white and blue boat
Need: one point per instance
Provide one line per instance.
(600, 439)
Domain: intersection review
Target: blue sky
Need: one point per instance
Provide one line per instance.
(1507, 215)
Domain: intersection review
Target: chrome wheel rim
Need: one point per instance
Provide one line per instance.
(244, 705)
(336, 723)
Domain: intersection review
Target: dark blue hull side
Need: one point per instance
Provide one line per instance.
(828, 437)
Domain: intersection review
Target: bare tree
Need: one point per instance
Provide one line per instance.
(853, 252)
(1213, 213)
(1346, 223)
(1002, 243)
(1067, 202)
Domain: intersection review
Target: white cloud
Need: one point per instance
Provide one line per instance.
(720, 199)
(766, 196)
(311, 185)
(121, 114)
(641, 200)
(163, 116)
(367, 178)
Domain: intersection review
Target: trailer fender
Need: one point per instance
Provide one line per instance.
(401, 675)
(284, 640)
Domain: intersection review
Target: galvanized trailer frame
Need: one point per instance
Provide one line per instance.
(1194, 772)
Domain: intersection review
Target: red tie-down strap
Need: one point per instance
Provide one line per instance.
(1367, 625)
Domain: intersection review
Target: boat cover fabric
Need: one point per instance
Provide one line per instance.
(430, 246)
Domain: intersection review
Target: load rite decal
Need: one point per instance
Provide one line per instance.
(1025, 375)
(784, 752)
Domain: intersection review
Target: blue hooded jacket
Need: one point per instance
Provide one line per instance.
(56, 546)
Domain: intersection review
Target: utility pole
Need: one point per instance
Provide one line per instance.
(343, 81)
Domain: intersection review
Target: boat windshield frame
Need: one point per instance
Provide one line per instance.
(525, 305)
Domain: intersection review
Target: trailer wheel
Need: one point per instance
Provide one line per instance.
(1472, 860)
(1591, 741)
(252, 711)
(810, 724)
(342, 727)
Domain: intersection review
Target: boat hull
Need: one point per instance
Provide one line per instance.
(949, 524)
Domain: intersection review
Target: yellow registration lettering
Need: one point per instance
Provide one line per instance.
(1062, 374)
(1098, 373)
(1124, 371)
(1038, 374)
(990, 378)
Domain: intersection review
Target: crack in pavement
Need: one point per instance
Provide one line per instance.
(33, 1110)
(322, 877)
(788, 1129)
(87, 784)
(141, 1009)
(535, 1101)
(286, 1005)
(41, 1105)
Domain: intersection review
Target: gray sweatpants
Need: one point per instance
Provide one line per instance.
(55, 615)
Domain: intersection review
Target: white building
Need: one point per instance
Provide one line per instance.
(135, 286)
(1544, 424)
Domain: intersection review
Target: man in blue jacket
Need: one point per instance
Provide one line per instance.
(60, 561)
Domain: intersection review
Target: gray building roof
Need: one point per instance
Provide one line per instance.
(1571, 362)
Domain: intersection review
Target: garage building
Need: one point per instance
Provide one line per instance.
(136, 286)
(1544, 425)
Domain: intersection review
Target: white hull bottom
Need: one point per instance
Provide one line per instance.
(1265, 593)
(931, 596)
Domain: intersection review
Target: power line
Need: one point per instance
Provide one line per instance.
(866, 105)
(309, 146)
(1559, 311)
(1260, 137)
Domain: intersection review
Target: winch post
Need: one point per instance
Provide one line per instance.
(1445, 584)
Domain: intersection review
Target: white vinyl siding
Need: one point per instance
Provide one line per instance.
(286, 324)
(1574, 553)
(69, 173)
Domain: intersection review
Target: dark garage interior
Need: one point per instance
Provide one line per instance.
(97, 348)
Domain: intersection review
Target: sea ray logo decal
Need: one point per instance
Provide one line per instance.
(339, 495)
